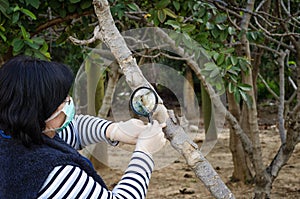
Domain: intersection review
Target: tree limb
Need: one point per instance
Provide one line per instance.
(59, 20)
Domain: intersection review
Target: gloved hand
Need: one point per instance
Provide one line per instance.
(151, 139)
(126, 132)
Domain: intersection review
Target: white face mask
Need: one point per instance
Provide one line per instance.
(68, 110)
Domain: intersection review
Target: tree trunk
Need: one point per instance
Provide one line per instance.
(189, 96)
(113, 76)
(249, 120)
(239, 157)
(211, 132)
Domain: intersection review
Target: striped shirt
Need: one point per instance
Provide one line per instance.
(67, 181)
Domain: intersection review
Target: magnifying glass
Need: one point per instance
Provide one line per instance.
(143, 102)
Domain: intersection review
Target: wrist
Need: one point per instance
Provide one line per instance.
(139, 150)
(111, 131)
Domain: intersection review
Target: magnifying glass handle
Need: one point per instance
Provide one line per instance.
(150, 118)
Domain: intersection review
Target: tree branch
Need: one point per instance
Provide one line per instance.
(96, 36)
(59, 20)
(268, 87)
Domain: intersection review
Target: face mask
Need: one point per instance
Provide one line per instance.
(69, 111)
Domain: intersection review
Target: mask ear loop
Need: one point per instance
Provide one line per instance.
(67, 102)
(53, 116)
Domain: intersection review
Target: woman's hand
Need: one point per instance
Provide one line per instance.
(152, 139)
(126, 132)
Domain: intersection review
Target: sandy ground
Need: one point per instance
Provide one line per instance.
(174, 179)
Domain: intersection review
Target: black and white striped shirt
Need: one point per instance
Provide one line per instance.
(67, 181)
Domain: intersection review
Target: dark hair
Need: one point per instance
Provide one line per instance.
(30, 91)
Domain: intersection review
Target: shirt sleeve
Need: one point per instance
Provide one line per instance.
(85, 130)
(72, 182)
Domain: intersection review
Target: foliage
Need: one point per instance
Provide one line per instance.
(41, 28)
(201, 25)
(30, 27)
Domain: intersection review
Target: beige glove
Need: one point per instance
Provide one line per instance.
(126, 132)
(152, 139)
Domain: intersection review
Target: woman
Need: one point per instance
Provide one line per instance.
(39, 136)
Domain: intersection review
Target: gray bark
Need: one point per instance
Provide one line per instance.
(281, 98)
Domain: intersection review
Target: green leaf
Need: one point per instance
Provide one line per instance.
(233, 72)
(28, 13)
(32, 44)
(201, 12)
(38, 40)
(162, 4)
(15, 17)
(249, 101)
(17, 44)
(170, 13)
(253, 35)
(202, 37)
(2, 28)
(133, 6)
(231, 87)
(245, 87)
(178, 41)
(223, 35)
(221, 27)
(220, 59)
(231, 30)
(25, 34)
(16, 8)
(214, 73)
(28, 52)
(233, 78)
(161, 16)
(227, 50)
(187, 41)
(72, 8)
(209, 26)
(173, 35)
(4, 6)
(39, 55)
(246, 98)
(176, 4)
(44, 48)
(219, 86)
(215, 33)
(244, 64)
(188, 27)
(291, 62)
(33, 3)
(173, 23)
(3, 37)
(85, 4)
(237, 96)
(220, 18)
(180, 19)
(210, 66)
(47, 55)
(215, 56)
(233, 60)
(74, 1)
